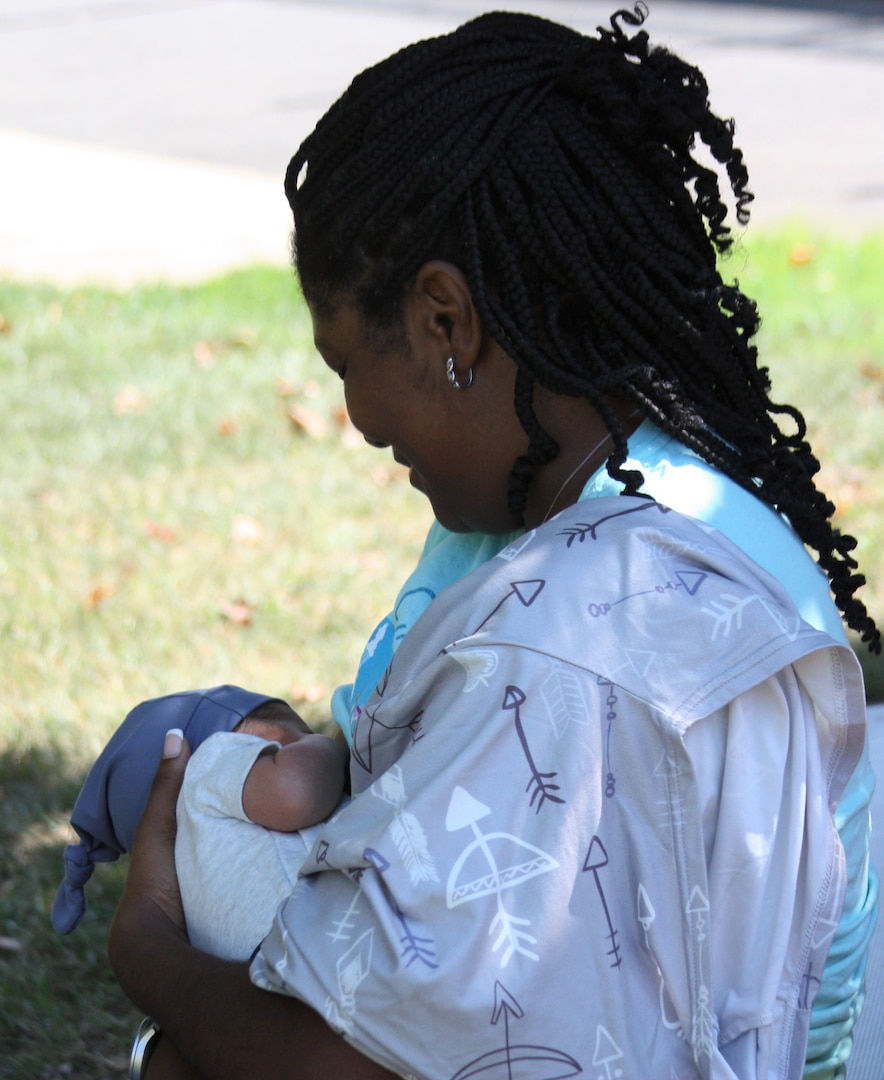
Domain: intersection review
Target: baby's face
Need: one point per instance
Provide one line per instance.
(275, 721)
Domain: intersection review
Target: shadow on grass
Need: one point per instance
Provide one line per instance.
(61, 1011)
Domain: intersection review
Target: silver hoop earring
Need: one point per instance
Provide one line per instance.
(452, 376)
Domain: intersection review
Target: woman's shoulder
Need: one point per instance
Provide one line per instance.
(682, 480)
(631, 590)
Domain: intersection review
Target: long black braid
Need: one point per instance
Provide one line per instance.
(560, 172)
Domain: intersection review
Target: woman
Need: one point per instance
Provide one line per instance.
(594, 746)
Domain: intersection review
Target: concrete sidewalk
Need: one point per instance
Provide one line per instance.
(122, 217)
(148, 138)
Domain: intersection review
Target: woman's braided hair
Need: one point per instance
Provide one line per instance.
(560, 173)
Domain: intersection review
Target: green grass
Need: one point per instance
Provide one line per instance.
(153, 487)
(139, 430)
(822, 337)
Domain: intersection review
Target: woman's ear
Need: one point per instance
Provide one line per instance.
(443, 312)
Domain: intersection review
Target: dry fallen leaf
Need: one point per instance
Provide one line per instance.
(870, 370)
(204, 354)
(243, 339)
(307, 421)
(844, 488)
(372, 560)
(4, 324)
(98, 594)
(129, 400)
(246, 530)
(160, 532)
(310, 694)
(384, 474)
(801, 255)
(285, 387)
(350, 435)
(206, 351)
(239, 612)
(227, 426)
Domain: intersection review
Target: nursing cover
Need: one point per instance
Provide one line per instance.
(591, 827)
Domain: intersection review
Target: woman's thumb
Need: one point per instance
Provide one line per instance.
(173, 743)
(160, 810)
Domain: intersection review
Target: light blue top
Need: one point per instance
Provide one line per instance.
(677, 477)
(680, 479)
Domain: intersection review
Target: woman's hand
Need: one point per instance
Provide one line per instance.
(150, 908)
(214, 1021)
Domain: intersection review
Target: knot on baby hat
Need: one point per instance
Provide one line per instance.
(115, 793)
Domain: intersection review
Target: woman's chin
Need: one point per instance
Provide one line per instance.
(448, 520)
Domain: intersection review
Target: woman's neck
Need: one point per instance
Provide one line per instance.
(585, 444)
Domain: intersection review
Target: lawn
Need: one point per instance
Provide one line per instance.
(184, 504)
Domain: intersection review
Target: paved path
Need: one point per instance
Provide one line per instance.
(144, 138)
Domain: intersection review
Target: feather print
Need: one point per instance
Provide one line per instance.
(411, 842)
(563, 696)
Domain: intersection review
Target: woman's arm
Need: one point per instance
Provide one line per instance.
(208, 1008)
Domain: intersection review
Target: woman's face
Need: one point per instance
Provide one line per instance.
(459, 445)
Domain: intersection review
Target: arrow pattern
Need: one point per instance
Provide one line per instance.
(523, 721)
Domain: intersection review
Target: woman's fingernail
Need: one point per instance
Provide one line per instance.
(172, 745)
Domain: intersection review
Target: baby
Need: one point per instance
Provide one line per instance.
(257, 776)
